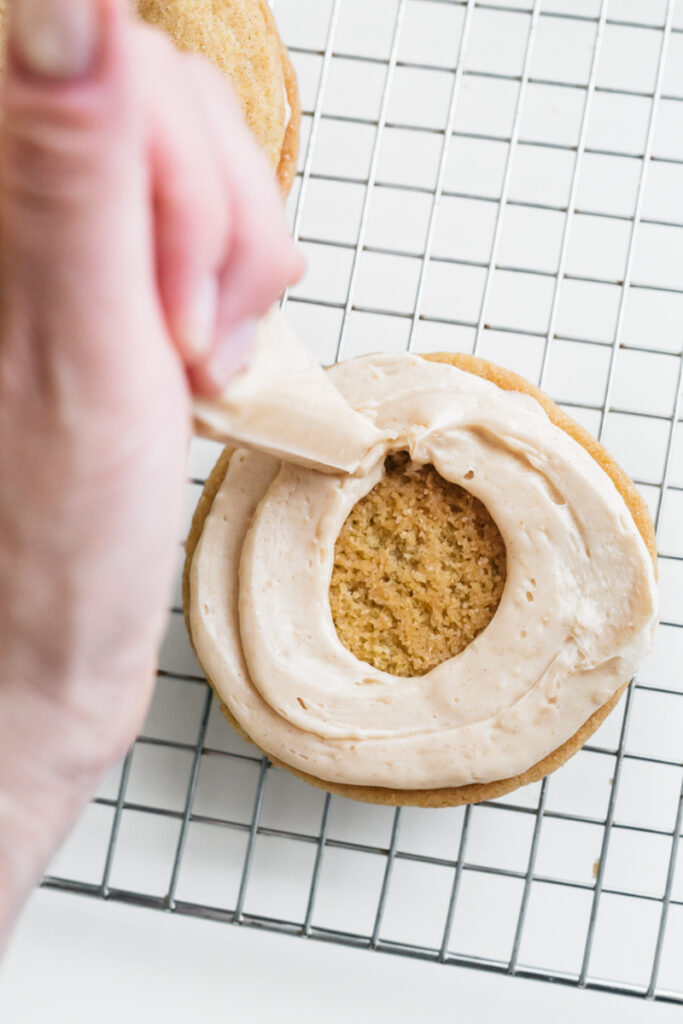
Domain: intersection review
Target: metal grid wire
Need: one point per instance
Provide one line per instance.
(461, 863)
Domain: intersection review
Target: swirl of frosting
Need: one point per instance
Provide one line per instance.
(577, 613)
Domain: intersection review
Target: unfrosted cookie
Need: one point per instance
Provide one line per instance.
(241, 37)
(419, 571)
(457, 542)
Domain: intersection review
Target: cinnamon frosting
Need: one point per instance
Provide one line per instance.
(577, 613)
(284, 404)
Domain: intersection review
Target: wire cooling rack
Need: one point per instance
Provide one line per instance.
(507, 179)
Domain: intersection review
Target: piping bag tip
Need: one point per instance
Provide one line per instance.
(284, 404)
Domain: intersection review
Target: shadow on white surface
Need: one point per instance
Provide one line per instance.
(75, 960)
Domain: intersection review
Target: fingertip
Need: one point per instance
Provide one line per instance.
(297, 267)
(229, 356)
(194, 329)
(59, 42)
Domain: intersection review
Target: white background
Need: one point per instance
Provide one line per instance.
(75, 960)
(554, 308)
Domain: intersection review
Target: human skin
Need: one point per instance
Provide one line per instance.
(140, 234)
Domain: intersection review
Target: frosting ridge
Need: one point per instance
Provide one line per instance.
(576, 615)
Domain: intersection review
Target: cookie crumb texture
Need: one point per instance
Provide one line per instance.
(240, 37)
(419, 571)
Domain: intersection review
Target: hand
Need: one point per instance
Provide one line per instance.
(140, 232)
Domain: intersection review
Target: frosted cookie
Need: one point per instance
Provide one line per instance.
(241, 37)
(452, 624)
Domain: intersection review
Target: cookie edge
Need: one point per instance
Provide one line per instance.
(289, 152)
(454, 796)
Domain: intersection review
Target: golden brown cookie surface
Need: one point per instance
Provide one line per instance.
(419, 571)
(453, 796)
(241, 38)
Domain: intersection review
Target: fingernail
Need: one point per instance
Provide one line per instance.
(55, 38)
(230, 355)
(199, 329)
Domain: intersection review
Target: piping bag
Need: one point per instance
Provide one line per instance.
(284, 404)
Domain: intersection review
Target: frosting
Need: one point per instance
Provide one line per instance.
(577, 613)
(284, 404)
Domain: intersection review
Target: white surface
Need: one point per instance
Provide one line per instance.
(98, 961)
(76, 961)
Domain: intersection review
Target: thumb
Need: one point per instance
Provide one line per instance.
(74, 211)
